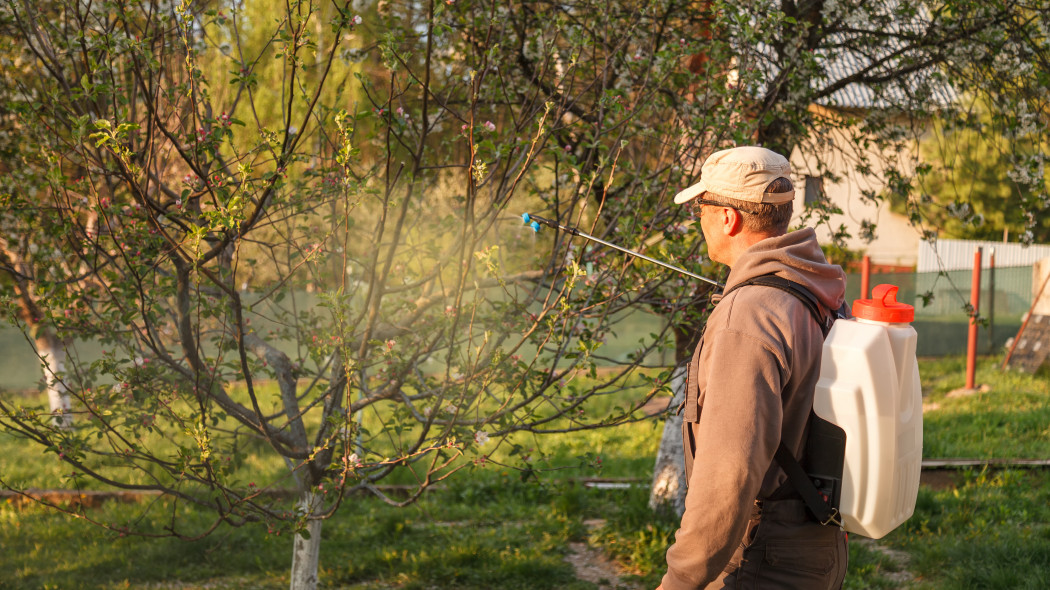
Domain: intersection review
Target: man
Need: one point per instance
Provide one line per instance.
(750, 386)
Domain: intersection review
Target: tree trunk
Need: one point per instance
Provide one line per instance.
(53, 363)
(669, 482)
(306, 551)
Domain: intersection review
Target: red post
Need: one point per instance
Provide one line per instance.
(865, 276)
(971, 342)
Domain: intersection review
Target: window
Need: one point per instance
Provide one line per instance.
(814, 189)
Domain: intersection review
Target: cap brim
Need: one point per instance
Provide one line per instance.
(690, 193)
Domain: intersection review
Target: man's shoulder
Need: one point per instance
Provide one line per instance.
(763, 298)
(763, 311)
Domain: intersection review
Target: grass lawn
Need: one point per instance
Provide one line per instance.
(472, 535)
(488, 529)
(991, 529)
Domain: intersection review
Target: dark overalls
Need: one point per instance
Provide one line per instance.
(786, 548)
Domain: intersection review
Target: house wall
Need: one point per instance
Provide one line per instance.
(896, 242)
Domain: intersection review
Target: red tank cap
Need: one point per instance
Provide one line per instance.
(883, 306)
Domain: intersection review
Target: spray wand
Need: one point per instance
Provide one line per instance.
(534, 222)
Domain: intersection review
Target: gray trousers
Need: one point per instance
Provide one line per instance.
(784, 548)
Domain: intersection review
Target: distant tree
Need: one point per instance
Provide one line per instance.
(981, 179)
(980, 171)
(28, 235)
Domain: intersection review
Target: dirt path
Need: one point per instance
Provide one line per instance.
(900, 575)
(593, 566)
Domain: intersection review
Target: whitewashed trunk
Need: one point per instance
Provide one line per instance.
(306, 552)
(53, 364)
(669, 484)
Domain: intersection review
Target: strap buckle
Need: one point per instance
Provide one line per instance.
(833, 518)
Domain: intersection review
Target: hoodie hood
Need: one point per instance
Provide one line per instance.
(797, 257)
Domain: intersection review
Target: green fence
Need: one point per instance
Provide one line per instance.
(940, 301)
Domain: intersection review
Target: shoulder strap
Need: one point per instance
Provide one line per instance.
(823, 319)
(817, 503)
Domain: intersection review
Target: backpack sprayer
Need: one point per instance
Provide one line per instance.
(868, 405)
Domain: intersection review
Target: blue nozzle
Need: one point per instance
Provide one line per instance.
(534, 225)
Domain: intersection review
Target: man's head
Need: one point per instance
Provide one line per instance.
(747, 196)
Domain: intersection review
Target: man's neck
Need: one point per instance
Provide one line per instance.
(743, 242)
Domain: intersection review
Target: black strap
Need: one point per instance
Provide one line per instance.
(823, 319)
(815, 501)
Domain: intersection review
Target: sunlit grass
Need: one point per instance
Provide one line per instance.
(992, 531)
(1009, 417)
(623, 451)
(25, 463)
(486, 528)
(483, 532)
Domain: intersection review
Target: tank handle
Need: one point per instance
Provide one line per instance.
(883, 306)
(885, 293)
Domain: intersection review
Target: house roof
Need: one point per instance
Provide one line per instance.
(874, 42)
(925, 85)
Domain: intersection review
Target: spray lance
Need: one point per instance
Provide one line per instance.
(534, 222)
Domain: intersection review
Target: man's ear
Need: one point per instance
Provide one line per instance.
(733, 222)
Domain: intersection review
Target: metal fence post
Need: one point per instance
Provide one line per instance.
(975, 299)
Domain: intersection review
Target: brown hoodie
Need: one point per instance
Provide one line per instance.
(750, 386)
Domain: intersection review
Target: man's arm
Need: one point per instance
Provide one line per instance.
(736, 438)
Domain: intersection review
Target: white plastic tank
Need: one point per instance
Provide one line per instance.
(869, 386)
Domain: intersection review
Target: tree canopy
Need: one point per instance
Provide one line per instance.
(298, 231)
